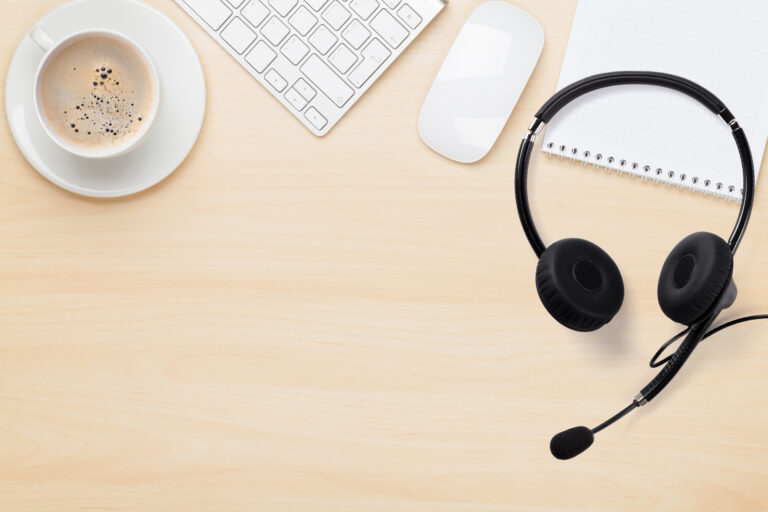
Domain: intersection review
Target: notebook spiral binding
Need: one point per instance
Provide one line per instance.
(644, 172)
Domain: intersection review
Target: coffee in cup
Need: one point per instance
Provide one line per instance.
(97, 93)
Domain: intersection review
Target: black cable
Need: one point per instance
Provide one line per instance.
(655, 363)
(734, 322)
(678, 359)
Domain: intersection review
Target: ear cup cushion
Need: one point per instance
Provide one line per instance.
(694, 276)
(579, 284)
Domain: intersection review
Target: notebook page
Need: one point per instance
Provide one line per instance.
(659, 133)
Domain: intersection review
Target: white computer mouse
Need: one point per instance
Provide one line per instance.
(480, 81)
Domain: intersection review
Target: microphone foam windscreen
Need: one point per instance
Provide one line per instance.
(571, 442)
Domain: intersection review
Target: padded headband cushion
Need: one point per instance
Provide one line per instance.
(694, 276)
(601, 81)
(579, 284)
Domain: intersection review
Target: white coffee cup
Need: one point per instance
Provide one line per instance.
(51, 48)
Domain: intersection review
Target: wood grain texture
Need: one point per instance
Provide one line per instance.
(349, 324)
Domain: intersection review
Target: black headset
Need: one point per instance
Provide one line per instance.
(581, 286)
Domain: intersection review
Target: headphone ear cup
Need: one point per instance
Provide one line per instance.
(694, 276)
(579, 284)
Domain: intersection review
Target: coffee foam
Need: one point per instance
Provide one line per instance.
(97, 92)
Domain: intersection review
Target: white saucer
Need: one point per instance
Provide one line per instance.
(178, 123)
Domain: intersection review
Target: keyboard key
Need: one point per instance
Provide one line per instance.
(238, 35)
(409, 16)
(303, 20)
(276, 80)
(356, 34)
(296, 99)
(336, 15)
(374, 56)
(342, 58)
(295, 50)
(255, 12)
(235, 3)
(364, 8)
(316, 4)
(323, 39)
(283, 7)
(306, 90)
(213, 12)
(316, 118)
(327, 81)
(389, 29)
(275, 31)
(261, 56)
(392, 3)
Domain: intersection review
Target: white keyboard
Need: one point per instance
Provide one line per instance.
(316, 56)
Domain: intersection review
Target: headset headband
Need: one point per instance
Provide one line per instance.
(595, 82)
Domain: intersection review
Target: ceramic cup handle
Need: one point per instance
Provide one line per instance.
(41, 38)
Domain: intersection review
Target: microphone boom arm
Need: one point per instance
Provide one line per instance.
(665, 376)
(676, 361)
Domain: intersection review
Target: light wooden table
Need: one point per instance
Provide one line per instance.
(349, 324)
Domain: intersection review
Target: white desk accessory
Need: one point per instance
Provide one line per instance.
(723, 45)
(480, 81)
(317, 57)
(179, 118)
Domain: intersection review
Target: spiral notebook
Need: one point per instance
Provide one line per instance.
(659, 134)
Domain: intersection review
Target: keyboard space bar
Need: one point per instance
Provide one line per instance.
(327, 81)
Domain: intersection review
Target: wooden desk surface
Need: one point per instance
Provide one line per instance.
(350, 323)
